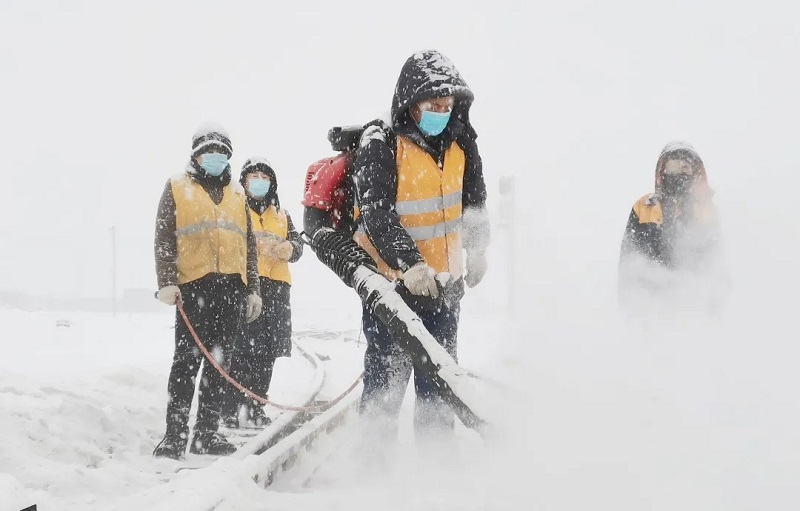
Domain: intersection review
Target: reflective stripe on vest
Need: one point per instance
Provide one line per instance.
(219, 224)
(211, 238)
(414, 207)
(270, 229)
(429, 206)
(434, 231)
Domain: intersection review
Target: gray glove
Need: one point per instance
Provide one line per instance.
(170, 295)
(253, 307)
(420, 280)
(476, 268)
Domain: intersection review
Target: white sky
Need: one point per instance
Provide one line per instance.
(99, 101)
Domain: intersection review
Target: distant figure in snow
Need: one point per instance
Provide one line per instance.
(206, 260)
(270, 336)
(421, 198)
(671, 249)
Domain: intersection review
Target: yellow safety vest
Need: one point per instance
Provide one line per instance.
(212, 238)
(429, 206)
(648, 210)
(271, 226)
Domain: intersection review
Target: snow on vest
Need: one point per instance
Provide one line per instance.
(212, 238)
(429, 206)
(271, 228)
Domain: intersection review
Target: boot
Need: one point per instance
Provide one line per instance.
(258, 417)
(231, 421)
(211, 442)
(173, 446)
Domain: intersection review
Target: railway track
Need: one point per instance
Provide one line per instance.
(264, 456)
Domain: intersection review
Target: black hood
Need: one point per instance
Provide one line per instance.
(679, 150)
(427, 75)
(257, 164)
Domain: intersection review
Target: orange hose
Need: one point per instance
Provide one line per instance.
(253, 395)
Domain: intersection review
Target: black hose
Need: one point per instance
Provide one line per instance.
(339, 252)
(394, 313)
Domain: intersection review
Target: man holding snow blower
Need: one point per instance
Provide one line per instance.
(206, 263)
(421, 197)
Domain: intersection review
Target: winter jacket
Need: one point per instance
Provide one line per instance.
(378, 161)
(169, 254)
(272, 330)
(676, 235)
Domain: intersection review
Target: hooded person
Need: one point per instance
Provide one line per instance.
(268, 337)
(205, 255)
(672, 232)
(421, 202)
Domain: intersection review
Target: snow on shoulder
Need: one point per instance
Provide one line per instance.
(237, 187)
(372, 132)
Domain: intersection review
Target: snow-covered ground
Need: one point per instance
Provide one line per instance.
(82, 400)
(682, 414)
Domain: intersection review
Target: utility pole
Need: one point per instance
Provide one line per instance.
(113, 270)
(508, 217)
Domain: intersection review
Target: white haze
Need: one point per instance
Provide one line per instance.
(574, 99)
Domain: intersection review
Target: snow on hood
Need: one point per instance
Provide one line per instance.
(259, 163)
(256, 163)
(425, 75)
(258, 160)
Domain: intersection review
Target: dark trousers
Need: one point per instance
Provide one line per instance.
(214, 305)
(252, 367)
(387, 369)
(259, 346)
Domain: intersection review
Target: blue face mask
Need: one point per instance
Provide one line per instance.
(258, 186)
(214, 163)
(433, 123)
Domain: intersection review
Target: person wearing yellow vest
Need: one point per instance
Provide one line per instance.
(270, 336)
(206, 260)
(421, 204)
(672, 237)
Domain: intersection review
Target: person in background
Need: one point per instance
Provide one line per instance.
(205, 254)
(672, 240)
(270, 336)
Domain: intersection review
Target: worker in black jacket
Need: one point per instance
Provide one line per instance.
(421, 201)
